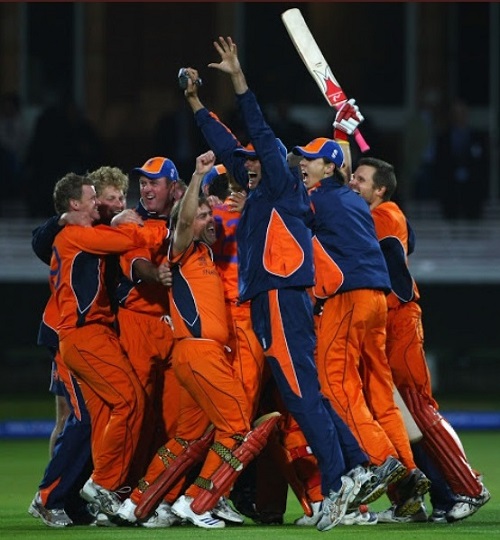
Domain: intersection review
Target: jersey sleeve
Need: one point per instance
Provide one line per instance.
(275, 169)
(223, 143)
(393, 238)
(104, 240)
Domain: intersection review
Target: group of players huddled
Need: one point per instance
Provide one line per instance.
(245, 333)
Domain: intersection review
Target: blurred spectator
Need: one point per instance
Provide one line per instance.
(461, 166)
(63, 141)
(13, 140)
(420, 148)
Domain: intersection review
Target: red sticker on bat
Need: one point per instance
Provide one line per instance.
(331, 89)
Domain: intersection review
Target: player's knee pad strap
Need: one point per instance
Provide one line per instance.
(167, 456)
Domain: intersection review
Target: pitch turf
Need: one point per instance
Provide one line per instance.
(22, 464)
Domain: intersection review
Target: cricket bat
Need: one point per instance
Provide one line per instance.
(316, 64)
(414, 433)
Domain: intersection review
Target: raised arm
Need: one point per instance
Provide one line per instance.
(218, 136)
(230, 63)
(184, 229)
(276, 178)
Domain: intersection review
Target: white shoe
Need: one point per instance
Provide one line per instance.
(389, 472)
(127, 511)
(182, 508)
(359, 518)
(367, 481)
(108, 502)
(162, 517)
(224, 511)
(310, 521)
(336, 504)
(52, 517)
(468, 506)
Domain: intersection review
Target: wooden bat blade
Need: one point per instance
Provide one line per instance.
(312, 56)
(316, 63)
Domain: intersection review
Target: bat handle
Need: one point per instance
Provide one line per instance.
(363, 145)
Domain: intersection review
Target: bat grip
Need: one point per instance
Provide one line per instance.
(363, 145)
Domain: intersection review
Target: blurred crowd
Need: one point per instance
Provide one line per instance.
(443, 158)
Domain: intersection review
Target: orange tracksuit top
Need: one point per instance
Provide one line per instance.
(396, 239)
(197, 297)
(143, 297)
(77, 269)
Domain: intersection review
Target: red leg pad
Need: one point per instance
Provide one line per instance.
(194, 453)
(225, 476)
(443, 444)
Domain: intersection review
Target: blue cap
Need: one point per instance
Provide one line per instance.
(158, 167)
(212, 174)
(321, 148)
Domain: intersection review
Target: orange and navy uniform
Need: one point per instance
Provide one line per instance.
(43, 237)
(199, 358)
(245, 350)
(89, 345)
(78, 265)
(147, 338)
(405, 351)
(405, 336)
(211, 392)
(197, 296)
(71, 459)
(275, 267)
(352, 279)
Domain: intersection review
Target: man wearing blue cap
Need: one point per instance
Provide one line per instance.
(352, 280)
(157, 183)
(275, 270)
(143, 315)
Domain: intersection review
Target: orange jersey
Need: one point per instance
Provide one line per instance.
(196, 297)
(393, 233)
(77, 269)
(140, 296)
(225, 249)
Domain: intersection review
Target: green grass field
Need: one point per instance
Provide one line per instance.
(22, 464)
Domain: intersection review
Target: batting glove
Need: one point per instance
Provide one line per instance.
(348, 117)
